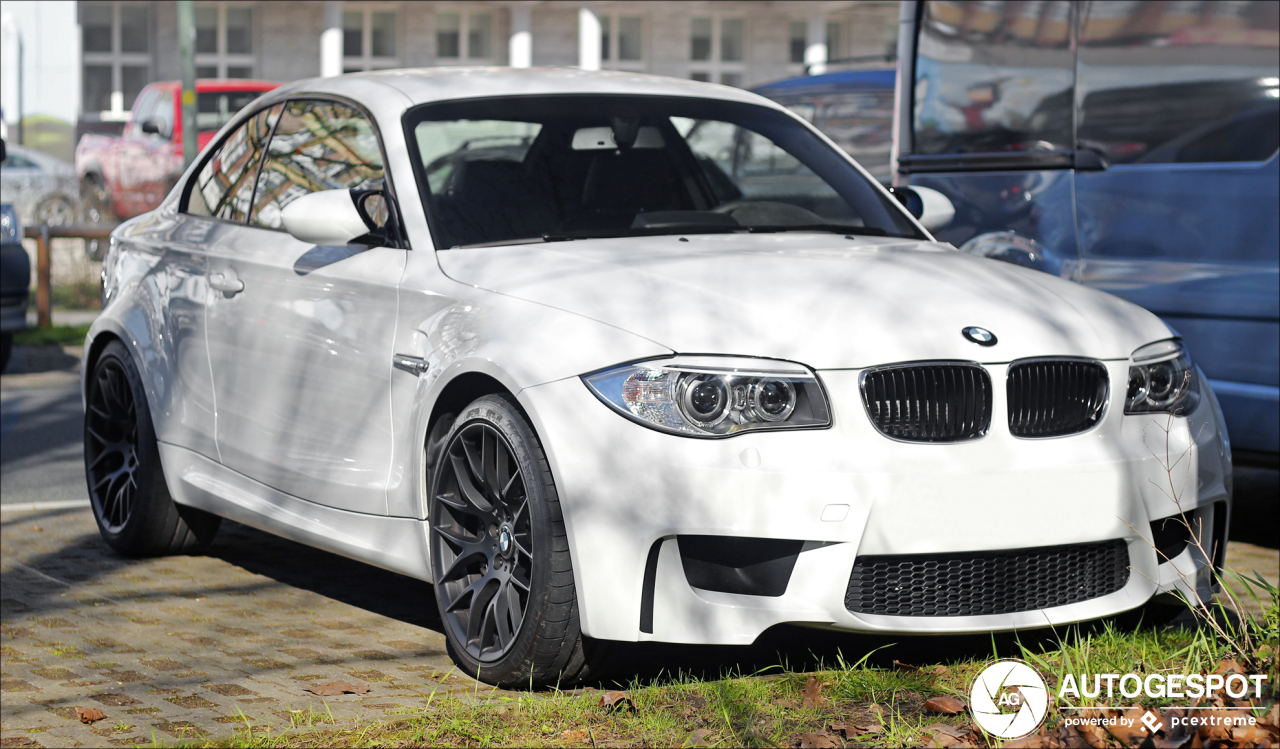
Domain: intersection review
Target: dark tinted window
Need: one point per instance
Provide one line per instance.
(529, 168)
(1180, 82)
(318, 145)
(224, 185)
(993, 77)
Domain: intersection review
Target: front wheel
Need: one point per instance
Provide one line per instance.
(503, 576)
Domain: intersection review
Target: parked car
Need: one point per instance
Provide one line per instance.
(597, 388)
(854, 108)
(1128, 146)
(15, 274)
(42, 188)
(122, 177)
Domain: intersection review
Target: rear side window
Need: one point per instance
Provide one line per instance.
(318, 145)
(224, 185)
(994, 77)
(1180, 83)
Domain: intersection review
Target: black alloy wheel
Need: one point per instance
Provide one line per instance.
(500, 555)
(135, 513)
(485, 551)
(111, 445)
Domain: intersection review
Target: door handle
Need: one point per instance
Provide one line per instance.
(226, 284)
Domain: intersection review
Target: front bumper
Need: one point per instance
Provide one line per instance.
(628, 492)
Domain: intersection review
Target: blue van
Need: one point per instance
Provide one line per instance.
(1130, 146)
(854, 108)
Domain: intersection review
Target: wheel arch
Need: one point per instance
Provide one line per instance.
(460, 390)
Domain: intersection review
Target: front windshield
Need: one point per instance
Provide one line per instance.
(549, 168)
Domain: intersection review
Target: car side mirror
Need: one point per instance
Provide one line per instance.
(933, 209)
(151, 127)
(327, 217)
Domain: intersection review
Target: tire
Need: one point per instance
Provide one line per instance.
(56, 210)
(97, 199)
(504, 579)
(6, 349)
(131, 502)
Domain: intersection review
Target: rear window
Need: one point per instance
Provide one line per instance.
(544, 168)
(216, 108)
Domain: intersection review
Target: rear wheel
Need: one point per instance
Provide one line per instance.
(131, 503)
(504, 579)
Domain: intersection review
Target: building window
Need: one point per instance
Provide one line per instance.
(369, 39)
(717, 49)
(621, 42)
(464, 35)
(800, 41)
(224, 41)
(116, 57)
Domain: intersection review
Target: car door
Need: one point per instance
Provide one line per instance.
(300, 336)
(130, 156)
(1183, 222)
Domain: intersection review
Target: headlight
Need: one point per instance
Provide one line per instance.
(1162, 379)
(713, 396)
(10, 227)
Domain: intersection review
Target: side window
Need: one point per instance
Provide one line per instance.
(994, 77)
(163, 113)
(318, 145)
(224, 185)
(142, 111)
(1161, 84)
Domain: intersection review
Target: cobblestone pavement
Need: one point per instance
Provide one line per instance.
(192, 647)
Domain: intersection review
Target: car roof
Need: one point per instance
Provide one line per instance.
(44, 160)
(425, 85)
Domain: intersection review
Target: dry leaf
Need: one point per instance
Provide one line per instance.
(335, 688)
(944, 705)
(812, 693)
(1229, 666)
(877, 711)
(947, 735)
(940, 670)
(697, 739)
(89, 714)
(817, 740)
(614, 701)
(783, 702)
(905, 666)
(576, 737)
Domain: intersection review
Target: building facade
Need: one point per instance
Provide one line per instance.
(125, 44)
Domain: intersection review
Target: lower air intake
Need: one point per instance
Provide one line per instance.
(979, 583)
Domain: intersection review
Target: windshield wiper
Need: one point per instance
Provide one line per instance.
(566, 236)
(866, 231)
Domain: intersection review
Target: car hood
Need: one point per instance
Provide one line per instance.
(819, 299)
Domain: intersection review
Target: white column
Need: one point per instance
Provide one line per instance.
(588, 38)
(815, 50)
(331, 40)
(520, 45)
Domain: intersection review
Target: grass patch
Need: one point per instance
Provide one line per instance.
(62, 335)
(883, 698)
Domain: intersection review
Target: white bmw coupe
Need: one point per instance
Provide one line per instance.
(614, 357)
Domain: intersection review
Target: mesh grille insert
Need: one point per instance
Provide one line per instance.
(1054, 397)
(944, 402)
(977, 583)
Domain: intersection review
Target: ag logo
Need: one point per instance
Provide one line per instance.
(980, 336)
(1009, 699)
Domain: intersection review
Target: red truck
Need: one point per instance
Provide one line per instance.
(122, 177)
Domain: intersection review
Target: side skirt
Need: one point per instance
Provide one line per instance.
(396, 544)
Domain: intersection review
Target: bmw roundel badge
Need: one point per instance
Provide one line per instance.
(980, 336)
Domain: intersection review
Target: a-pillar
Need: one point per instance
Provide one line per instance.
(520, 45)
(331, 40)
(588, 38)
(815, 49)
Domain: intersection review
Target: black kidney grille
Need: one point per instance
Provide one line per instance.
(1053, 397)
(976, 583)
(929, 402)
